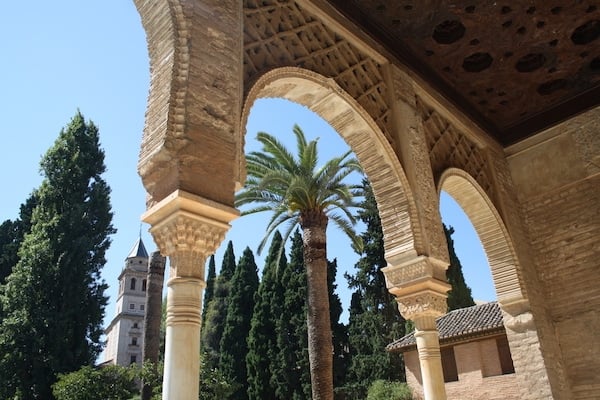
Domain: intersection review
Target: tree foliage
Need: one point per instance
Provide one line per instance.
(460, 294)
(234, 347)
(12, 234)
(209, 292)
(105, 383)
(216, 311)
(53, 301)
(291, 375)
(262, 339)
(389, 390)
(374, 320)
(298, 192)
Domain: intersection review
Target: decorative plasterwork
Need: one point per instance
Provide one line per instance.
(423, 306)
(188, 229)
(450, 148)
(420, 268)
(282, 33)
(420, 288)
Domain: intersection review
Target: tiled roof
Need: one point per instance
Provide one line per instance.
(460, 324)
(138, 250)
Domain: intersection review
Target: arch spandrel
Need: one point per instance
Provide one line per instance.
(327, 99)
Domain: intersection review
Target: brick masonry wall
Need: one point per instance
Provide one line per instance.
(566, 230)
(558, 185)
(479, 374)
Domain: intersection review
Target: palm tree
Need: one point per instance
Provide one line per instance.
(298, 192)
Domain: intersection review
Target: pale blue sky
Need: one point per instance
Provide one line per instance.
(67, 55)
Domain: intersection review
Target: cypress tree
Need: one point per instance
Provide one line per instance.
(374, 319)
(460, 294)
(228, 266)
(338, 329)
(291, 378)
(209, 292)
(262, 340)
(54, 300)
(12, 234)
(234, 346)
(216, 312)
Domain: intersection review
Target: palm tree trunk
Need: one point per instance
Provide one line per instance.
(320, 348)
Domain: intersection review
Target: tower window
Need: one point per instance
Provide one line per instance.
(132, 286)
(144, 285)
(132, 306)
(142, 307)
(135, 324)
(134, 341)
(133, 360)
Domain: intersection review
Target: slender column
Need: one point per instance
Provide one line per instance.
(428, 346)
(420, 289)
(187, 228)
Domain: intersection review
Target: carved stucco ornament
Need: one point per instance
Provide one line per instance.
(420, 288)
(188, 229)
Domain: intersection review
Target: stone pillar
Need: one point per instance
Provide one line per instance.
(420, 288)
(152, 318)
(413, 153)
(187, 229)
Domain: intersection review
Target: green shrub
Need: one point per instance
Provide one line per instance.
(388, 390)
(88, 383)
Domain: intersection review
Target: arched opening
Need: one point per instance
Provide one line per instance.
(469, 249)
(277, 116)
(491, 231)
(390, 186)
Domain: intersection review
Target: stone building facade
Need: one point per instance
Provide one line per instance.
(125, 333)
(476, 358)
(496, 104)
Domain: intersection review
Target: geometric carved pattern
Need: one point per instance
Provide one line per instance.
(280, 33)
(449, 148)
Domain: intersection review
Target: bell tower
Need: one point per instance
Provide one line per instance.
(125, 334)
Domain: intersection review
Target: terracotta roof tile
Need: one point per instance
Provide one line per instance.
(461, 323)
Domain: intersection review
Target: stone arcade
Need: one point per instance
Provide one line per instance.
(495, 103)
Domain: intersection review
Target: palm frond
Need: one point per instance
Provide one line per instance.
(277, 150)
(288, 184)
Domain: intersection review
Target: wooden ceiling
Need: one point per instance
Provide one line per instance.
(515, 67)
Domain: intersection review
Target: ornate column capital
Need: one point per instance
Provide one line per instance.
(420, 288)
(188, 228)
(423, 308)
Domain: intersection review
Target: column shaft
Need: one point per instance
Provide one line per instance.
(420, 289)
(187, 228)
(182, 342)
(430, 360)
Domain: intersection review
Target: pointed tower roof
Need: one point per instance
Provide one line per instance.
(138, 250)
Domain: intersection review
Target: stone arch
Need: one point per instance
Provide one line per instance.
(193, 103)
(491, 230)
(327, 99)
